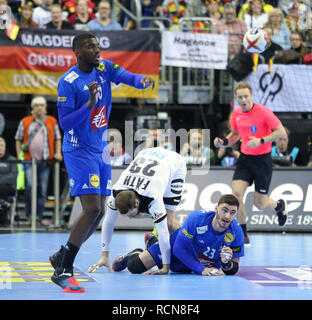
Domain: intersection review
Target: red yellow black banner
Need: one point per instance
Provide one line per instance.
(34, 62)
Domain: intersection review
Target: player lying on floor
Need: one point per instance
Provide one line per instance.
(209, 243)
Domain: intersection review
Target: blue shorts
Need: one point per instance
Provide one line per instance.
(175, 265)
(87, 173)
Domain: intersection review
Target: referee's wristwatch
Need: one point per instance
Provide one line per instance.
(262, 140)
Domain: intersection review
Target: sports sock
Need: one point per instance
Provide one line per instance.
(69, 256)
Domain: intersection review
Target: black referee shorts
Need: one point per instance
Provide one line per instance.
(255, 169)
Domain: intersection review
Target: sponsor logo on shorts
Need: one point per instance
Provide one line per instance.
(94, 181)
(228, 237)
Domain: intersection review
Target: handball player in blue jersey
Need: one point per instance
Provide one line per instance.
(84, 106)
(209, 243)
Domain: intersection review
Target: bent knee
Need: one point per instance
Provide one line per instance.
(135, 265)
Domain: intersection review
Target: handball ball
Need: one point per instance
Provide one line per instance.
(255, 40)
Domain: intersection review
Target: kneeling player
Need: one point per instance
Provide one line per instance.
(208, 243)
(152, 186)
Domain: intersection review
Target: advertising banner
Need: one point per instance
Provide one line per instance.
(34, 62)
(194, 50)
(201, 192)
(287, 88)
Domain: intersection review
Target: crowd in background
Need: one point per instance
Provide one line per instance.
(288, 23)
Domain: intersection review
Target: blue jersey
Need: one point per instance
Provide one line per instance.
(207, 243)
(204, 242)
(73, 92)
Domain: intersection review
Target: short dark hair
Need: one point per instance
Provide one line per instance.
(125, 201)
(80, 38)
(229, 199)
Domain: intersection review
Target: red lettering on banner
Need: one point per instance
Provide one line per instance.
(98, 118)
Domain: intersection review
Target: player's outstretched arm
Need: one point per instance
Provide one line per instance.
(164, 245)
(136, 80)
(106, 237)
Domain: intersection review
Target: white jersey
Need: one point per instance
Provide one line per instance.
(157, 176)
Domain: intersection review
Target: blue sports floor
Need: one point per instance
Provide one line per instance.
(275, 267)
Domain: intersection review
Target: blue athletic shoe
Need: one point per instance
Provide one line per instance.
(120, 263)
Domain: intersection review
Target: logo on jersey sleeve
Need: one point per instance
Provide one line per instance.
(94, 180)
(71, 77)
(228, 237)
(98, 118)
(61, 99)
(187, 234)
(158, 216)
(236, 249)
(177, 186)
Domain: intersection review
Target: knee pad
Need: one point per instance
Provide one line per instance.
(135, 265)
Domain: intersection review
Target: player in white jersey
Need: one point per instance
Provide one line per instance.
(151, 185)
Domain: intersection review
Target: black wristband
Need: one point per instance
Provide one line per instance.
(230, 268)
(225, 141)
(227, 265)
(262, 141)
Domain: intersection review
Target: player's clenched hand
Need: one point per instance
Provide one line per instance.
(226, 254)
(104, 261)
(93, 89)
(148, 82)
(212, 272)
(218, 142)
